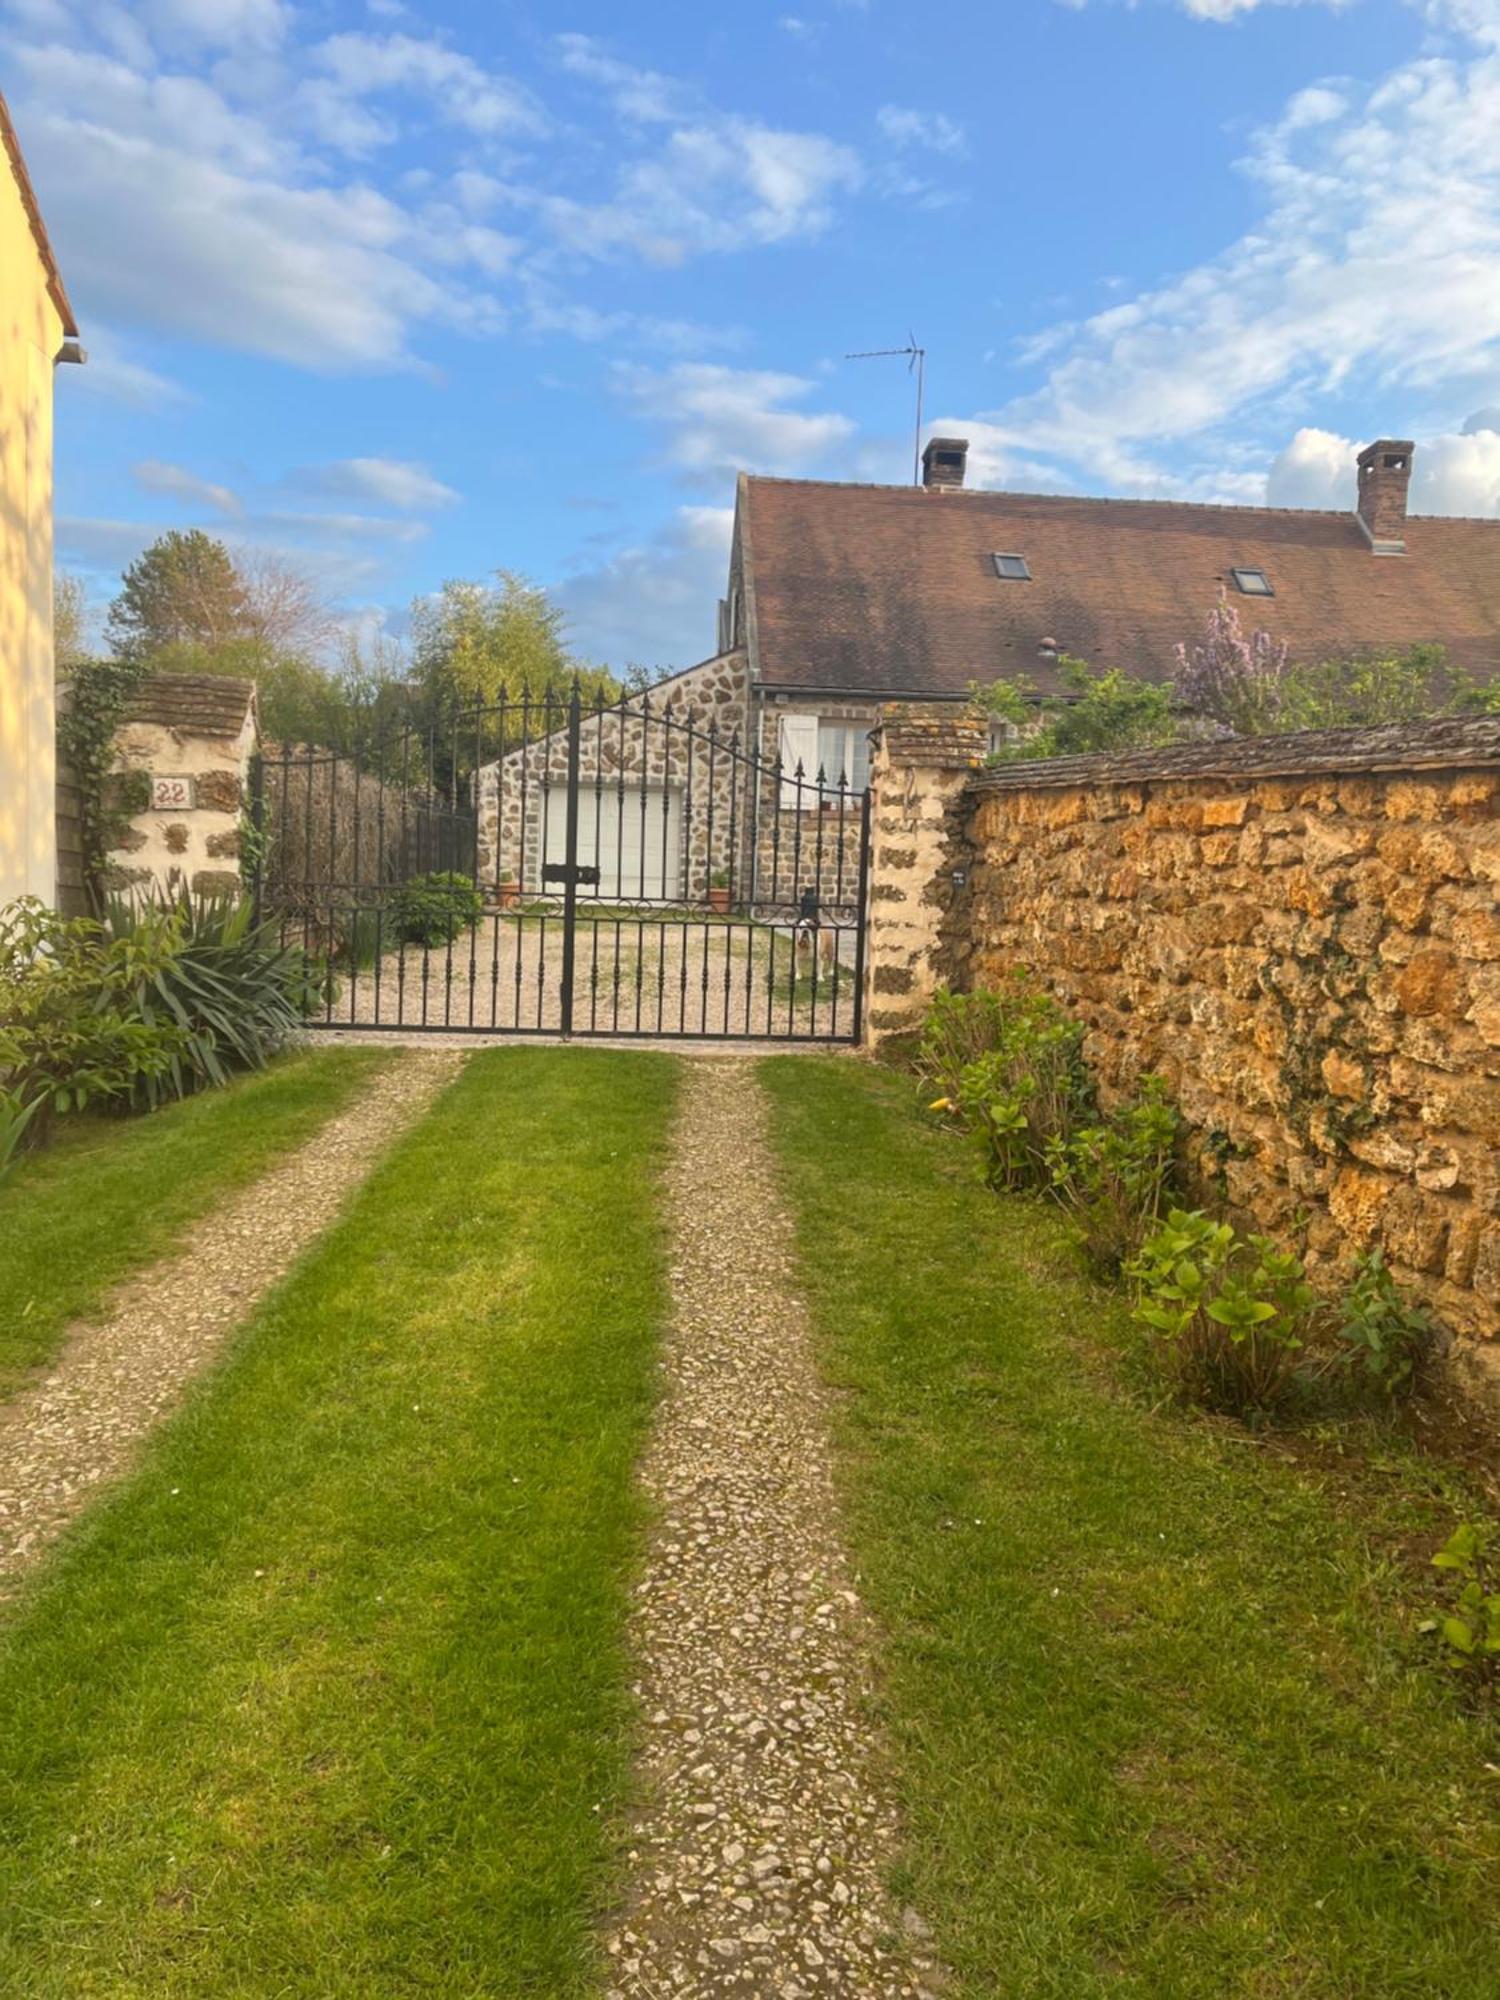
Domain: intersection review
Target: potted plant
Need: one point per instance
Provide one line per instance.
(509, 892)
(718, 892)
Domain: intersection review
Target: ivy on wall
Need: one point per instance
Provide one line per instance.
(99, 693)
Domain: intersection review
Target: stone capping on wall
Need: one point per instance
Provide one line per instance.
(197, 704)
(936, 735)
(1467, 741)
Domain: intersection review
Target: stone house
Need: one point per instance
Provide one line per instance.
(38, 331)
(842, 598)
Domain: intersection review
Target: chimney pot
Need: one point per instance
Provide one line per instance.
(944, 461)
(1384, 476)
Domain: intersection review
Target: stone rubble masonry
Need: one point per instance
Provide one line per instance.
(201, 727)
(926, 753)
(1301, 934)
(525, 791)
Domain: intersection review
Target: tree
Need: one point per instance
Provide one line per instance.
(475, 641)
(70, 619)
(1235, 680)
(182, 591)
(285, 609)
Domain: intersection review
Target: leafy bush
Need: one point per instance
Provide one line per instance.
(958, 1028)
(1230, 1313)
(1388, 1340)
(1113, 1178)
(433, 909)
(1111, 710)
(1470, 1630)
(1366, 690)
(71, 1033)
(1024, 1091)
(229, 990)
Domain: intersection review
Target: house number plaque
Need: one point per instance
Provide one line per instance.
(171, 794)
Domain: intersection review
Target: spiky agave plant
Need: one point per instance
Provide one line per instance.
(233, 991)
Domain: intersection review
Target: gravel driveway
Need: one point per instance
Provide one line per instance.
(757, 1859)
(632, 976)
(79, 1427)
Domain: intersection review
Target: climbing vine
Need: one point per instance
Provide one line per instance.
(98, 694)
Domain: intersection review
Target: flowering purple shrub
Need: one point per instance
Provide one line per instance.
(1234, 679)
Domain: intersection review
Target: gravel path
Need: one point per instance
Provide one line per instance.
(61, 1440)
(653, 977)
(758, 1855)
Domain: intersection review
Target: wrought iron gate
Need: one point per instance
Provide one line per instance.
(547, 866)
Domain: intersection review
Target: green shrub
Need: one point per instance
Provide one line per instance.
(959, 1027)
(71, 1032)
(1113, 1178)
(1230, 1313)
(1470, 1628)
(229, 990)
(433, 909)
(1388, 1341)
(1022, 1093)
(1108, 710)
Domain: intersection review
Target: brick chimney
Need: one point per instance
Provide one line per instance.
(944, 460)
(1384, 475)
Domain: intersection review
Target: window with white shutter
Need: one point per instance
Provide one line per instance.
(799, 746)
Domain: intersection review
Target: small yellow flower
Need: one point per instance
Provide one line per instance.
(942, 1104)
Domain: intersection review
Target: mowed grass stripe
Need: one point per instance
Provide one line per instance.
(110, 1196)
(333, 1699)
(1163, 1723)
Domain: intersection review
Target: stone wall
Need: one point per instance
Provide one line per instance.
(180, 783)
(925, 756)
(1302, 934)
(650, 744)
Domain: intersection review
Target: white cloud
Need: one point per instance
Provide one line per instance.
(641, 95)
(1454, 472)
(231, 182)
(217, 23)
(722, 420)
(159, 476)
(1376, 259)
(112, 372)
(389, 482)
(652, 603)
(730, 185)
(461, 92)
(930, 129)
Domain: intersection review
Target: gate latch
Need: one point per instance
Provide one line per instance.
(557, 871)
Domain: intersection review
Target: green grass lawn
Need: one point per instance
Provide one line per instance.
(111, 1195)
(1162, 1721)
(332, 1699)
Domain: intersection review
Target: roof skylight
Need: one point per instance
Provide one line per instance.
(1012, 569)
(1253, 582)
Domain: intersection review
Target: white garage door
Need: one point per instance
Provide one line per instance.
(629, 851)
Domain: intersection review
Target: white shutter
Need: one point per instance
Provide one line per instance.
(799, 745)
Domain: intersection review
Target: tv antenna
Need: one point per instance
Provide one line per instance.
(916, 364)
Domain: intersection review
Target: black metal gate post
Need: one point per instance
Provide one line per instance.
(257, 835)
(861, 918)
(570, 862)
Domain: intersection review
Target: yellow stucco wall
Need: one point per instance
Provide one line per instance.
(31, 331)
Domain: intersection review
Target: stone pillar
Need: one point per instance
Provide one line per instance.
(925, 754)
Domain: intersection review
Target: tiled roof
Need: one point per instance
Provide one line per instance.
(55, 284)
(884, 589)
(199, 704)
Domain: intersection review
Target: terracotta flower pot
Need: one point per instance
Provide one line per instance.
(718, 900)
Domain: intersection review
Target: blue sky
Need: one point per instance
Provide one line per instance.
(416, 291)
